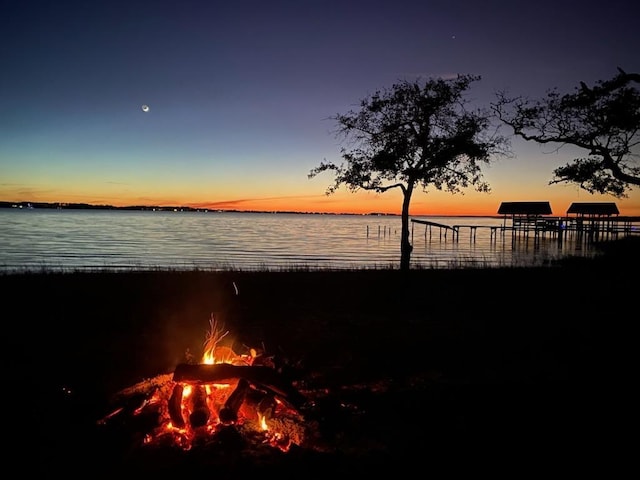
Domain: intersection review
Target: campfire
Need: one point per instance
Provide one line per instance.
(227, 397)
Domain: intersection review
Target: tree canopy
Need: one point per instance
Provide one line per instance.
(414, 134)
(603, 120)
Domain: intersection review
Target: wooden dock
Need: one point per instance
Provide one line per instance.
(440, 226)
(558, 228)
(455, 229)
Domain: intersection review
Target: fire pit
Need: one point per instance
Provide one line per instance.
(227, 399)
(240, 412)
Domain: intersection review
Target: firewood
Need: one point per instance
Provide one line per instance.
(175, 406)
(199, 409)
(229, 412)
(267, 407)
(263, 377)
(260, 401)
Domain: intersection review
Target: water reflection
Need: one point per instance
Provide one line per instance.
(108, 239)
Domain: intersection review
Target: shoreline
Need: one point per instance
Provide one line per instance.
(160, 208)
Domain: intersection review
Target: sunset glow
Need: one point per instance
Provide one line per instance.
(435, 203)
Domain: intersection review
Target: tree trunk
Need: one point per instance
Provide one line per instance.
(405, 244)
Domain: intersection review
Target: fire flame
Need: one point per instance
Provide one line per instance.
(204, 409)
(263, 422)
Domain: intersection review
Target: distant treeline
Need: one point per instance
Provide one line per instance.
(154, 208)
(86, 206)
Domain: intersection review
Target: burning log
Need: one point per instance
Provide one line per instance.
(200, 410)
(264, 377)
(175, 406)
(261, 402)
(266, 407)
(229, 412)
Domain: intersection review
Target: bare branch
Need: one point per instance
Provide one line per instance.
(603, 120)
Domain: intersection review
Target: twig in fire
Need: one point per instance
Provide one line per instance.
(215, 334)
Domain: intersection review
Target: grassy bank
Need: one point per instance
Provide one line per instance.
(139, 324)
(495, 350)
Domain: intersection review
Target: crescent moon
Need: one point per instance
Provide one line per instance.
(145, 108)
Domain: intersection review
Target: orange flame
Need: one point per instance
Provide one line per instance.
(215, 396)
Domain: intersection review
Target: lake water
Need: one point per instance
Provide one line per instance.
(65, 239)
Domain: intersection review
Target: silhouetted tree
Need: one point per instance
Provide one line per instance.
(414, 134)
(603, 120)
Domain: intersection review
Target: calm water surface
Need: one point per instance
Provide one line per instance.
(65, 239)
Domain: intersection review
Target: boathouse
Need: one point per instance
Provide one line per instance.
(593, 209)
(526, 216)
(597, 219)
(524, 209)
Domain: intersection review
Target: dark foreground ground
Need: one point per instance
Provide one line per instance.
(511, 369)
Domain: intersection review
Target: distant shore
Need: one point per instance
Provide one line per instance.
(178, 208)
(158, 208)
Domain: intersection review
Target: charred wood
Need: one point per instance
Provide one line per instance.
(229, 412)
(261, 401)
(175, 406)
(267, 407)
(199, 409)
(264, 377)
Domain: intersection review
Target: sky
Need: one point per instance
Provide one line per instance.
(241, 95)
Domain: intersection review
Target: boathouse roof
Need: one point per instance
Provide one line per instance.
(524, 208)
(594, 208)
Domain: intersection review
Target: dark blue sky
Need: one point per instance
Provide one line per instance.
(240, 91)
